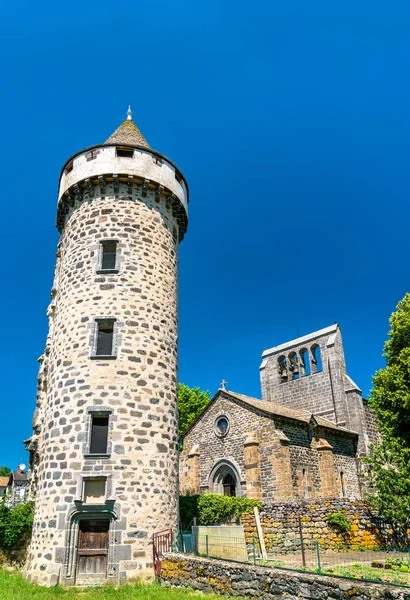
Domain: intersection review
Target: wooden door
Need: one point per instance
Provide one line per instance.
(92, 553)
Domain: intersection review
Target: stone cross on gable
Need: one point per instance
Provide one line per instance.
(223, 384)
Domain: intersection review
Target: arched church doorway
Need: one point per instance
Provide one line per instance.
(224, 480)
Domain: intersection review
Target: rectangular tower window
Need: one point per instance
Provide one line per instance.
(94, 491)
(125, 152)
(105, 338)
(108, 255)
(99, 435)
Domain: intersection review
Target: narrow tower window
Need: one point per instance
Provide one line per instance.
(305, 484)
(99, 434)
(125, 152)
(105, 338)
(342, 484)
(108, 255)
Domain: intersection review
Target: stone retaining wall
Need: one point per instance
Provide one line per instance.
(229, 579)
(280, 525)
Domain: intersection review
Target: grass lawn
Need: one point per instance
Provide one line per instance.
(367, 572)
(14, 587)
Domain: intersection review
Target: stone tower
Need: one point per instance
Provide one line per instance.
(104, 447)
(309, 373)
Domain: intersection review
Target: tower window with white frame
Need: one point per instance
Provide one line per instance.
(104, 339)
(108, 257)
(99, 434)
(94, 491)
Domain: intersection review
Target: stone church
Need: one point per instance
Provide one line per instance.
(304, 439)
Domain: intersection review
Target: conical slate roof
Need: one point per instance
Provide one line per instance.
(128, 134)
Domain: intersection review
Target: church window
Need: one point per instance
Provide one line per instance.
(304, 362)
(305, 484)
(221, 426)
(229, 486)
(99, 434)
(125, 152)
(69, 168)
(108, 255)
(94, 491)
(283, 368)
(316, 359)
(342, 484)
(105, 337)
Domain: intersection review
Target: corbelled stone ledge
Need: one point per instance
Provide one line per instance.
(234, 579)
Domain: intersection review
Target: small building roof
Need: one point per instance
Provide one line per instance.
(4, 481)
(128, 134)
(275, 409)
(19, 476)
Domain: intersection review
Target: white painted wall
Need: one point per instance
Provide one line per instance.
(142, 164)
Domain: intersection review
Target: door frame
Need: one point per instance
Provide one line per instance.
(92, 512)
(96, 577)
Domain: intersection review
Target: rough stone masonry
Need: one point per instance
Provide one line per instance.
(104, 446)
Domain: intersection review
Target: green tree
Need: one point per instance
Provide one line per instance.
(390, 396)
(191, 402)
(4, 472)
(389, 480)
(388, 472)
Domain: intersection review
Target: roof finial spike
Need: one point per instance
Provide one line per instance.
(129, 114)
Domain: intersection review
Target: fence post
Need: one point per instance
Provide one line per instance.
(302, 543)
(195, 537)
(318, 557)
(206, 542)
(254, 550)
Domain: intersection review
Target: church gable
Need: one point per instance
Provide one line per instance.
(242, 446)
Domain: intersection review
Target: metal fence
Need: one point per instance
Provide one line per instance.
(388, 565)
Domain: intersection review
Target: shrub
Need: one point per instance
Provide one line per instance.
(213, 509)
(188, 509)
(15, 524)
(339, 520)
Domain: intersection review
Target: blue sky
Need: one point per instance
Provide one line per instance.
(291, 122)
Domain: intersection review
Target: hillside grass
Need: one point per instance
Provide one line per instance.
(14, 587)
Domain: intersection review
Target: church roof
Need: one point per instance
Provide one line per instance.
(272, 407)
(128, 134)
(275, 409)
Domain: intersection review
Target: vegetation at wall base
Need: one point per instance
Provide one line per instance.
(339, 520)
(213, 509)
(388, 472)
(16, 523)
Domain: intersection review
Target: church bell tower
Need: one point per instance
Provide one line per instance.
(104, 447)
